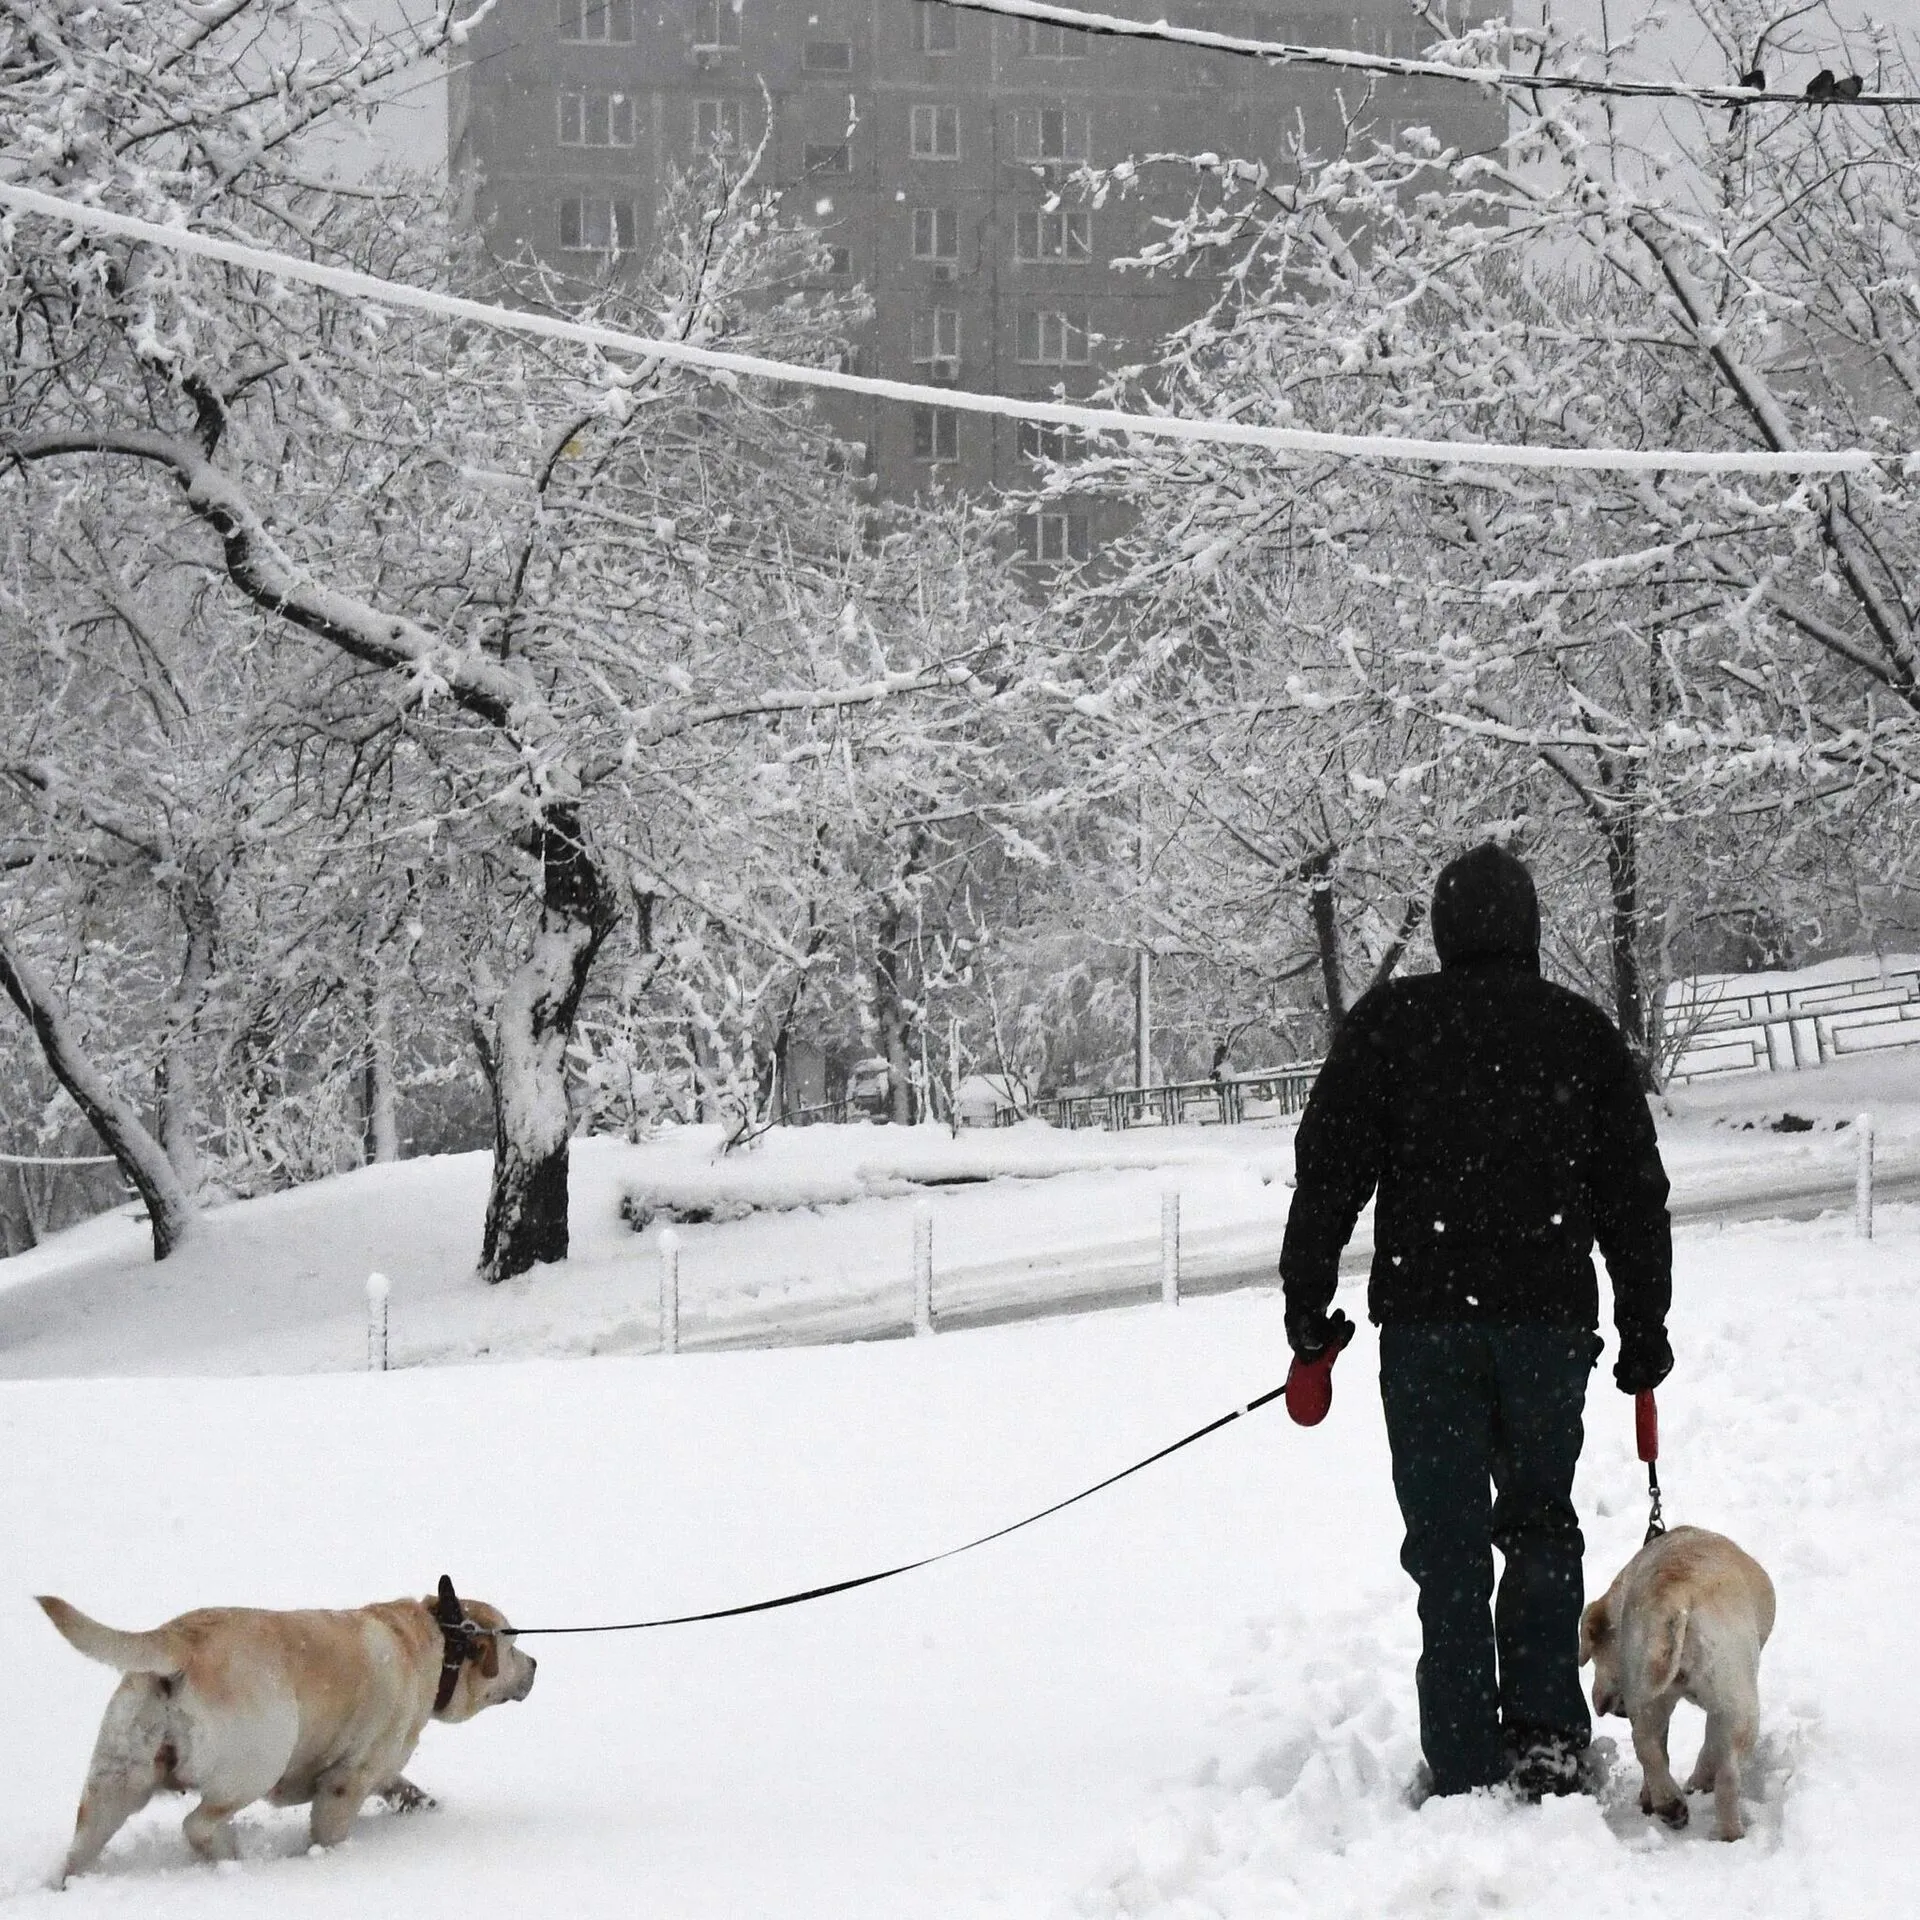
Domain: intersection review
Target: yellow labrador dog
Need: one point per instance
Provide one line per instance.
(238, 1705)
(1685, 1620)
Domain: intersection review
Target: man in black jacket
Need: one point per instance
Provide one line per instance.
(1501, 1122)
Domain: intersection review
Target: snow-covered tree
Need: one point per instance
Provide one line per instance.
(1672, 665)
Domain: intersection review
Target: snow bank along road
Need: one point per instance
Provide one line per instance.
(1192, 1696)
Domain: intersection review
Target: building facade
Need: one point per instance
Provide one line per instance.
(930, 145)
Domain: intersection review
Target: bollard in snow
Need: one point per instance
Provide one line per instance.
(922, 1267)
(1170, 1248)
(1863, 1176)
(378, 1287)
(669, 1291)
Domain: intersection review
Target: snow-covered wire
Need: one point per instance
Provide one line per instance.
(1098, 420)
(57, 1160)
(1394, 66)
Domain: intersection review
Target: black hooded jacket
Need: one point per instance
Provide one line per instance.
(1502, 1122)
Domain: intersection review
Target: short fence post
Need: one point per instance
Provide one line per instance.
(1170, 1248)
(1863, 1176)
(669, 1291)
(378, 1288)
(922, 1267)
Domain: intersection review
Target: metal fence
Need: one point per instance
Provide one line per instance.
(1274, 1092)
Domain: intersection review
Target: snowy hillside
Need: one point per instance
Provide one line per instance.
(1190, 1696)
(1021, 1217)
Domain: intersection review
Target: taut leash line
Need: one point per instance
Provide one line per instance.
(911, 1566)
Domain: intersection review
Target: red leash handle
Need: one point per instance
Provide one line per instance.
(1646, 1427)
(1310, 1383)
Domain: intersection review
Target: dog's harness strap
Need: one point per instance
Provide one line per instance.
(911, 1566)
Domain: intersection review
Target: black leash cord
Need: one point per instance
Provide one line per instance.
(911, 1566)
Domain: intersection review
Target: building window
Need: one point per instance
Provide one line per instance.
(839, 262)
(829, 159)
(939, 30)
(827, 56)
(1041, 41)
(1063, 238)
(936, 340)
(1054, 539)
(1049, 339)
(936, 133)
(597, 20)
(716, 23)
(589, 224)
(596, 120)
(1041, 440)
(716, 123)
(1050, 136)
(936, 233)
(936, 433)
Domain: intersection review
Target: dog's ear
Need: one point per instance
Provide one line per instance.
(489, 1656)
(1596, 1628)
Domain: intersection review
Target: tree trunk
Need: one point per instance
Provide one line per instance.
(891, 1012)
(381, 1124)
(179, 1075)
(524, 1055)
(1410, 917)
(889, 987)
(140, 1155)
(1326, 937)
(1623, 939)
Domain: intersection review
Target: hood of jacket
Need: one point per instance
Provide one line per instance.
(1485, 908)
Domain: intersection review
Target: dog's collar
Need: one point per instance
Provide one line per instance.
(458, 1641)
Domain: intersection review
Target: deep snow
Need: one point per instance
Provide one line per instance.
(1191, 1696)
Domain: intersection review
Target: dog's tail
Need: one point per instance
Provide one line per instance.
(155, 1652)
(1667, 1649)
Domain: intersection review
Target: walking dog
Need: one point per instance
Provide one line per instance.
(1685, 1620)
(238, 1704)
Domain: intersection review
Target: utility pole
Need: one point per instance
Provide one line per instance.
(1143, 1018)
(1142, 960)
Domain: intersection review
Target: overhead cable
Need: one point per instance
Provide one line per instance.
(1397, 67)
(1093, 420)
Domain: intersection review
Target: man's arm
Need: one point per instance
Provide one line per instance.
(1336, 1162)
(1630, 1221)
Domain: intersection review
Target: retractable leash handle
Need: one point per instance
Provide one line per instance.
(1646, 1434)
(1310, 1383)
(1646, 1427)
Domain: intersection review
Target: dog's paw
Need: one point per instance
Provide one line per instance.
(1674, 1813)
(402, 1796)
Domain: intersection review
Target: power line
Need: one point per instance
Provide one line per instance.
(1393, 66)
(1095, 420)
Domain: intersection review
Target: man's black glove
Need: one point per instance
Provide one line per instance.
(1311, 1334)
(1645, 1360)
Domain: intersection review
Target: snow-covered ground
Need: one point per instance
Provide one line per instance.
(1191, 1696)
(278, 1285)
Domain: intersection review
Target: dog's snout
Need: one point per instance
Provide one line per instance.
(526, 1679)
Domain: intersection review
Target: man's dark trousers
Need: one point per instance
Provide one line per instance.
(1468, 1404)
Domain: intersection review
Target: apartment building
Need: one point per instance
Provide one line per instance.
(930, 144)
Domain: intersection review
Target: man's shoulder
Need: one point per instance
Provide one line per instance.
(1578, 1011)
(1380, 1007)
(1413, 997)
